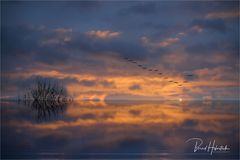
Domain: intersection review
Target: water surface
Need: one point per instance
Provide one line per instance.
(118, 129)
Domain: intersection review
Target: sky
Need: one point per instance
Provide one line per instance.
(82, 44)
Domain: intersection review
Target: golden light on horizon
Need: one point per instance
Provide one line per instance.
(180, 99)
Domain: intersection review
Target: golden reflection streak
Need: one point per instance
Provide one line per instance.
(135, 114)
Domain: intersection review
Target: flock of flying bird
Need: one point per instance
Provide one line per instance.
(143, 67)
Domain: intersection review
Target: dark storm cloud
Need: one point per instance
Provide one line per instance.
(83, 6)
(97, 46)
(214, 24)
(18, 38)
(21, 46)
(51, 56)
(35, 37)
(49, 53)
(47, 46)
(143, 8)
(226, 47)
(154, 25)
(17, 43)
(150, 8)
(203, 48)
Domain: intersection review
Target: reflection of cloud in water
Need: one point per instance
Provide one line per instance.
(190, 123)
(135, 128)
(134, 112)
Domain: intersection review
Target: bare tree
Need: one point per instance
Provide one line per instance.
(46, 90)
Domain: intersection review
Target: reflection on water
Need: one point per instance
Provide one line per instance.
(114, 129)
(48, 109)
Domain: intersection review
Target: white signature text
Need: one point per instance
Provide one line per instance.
(211, 147)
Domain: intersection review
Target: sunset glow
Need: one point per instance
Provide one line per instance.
(89, 55)
(99, 79)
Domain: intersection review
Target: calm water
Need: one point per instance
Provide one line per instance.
(114, 129)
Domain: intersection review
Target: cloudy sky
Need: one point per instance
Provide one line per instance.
(83, 44)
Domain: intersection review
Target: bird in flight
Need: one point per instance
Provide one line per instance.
(156, 70)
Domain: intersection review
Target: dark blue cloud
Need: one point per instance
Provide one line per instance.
(120, 47)
(213, 24)
(140, 8)
(23, 47)
(17, 44)
(83, 6)
(51, 56)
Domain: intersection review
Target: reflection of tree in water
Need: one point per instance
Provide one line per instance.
(47, 110)
(47, 97)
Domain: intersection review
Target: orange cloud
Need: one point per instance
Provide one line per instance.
(165, 43)
(153, 86)
(103, 34)
(222, 15)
